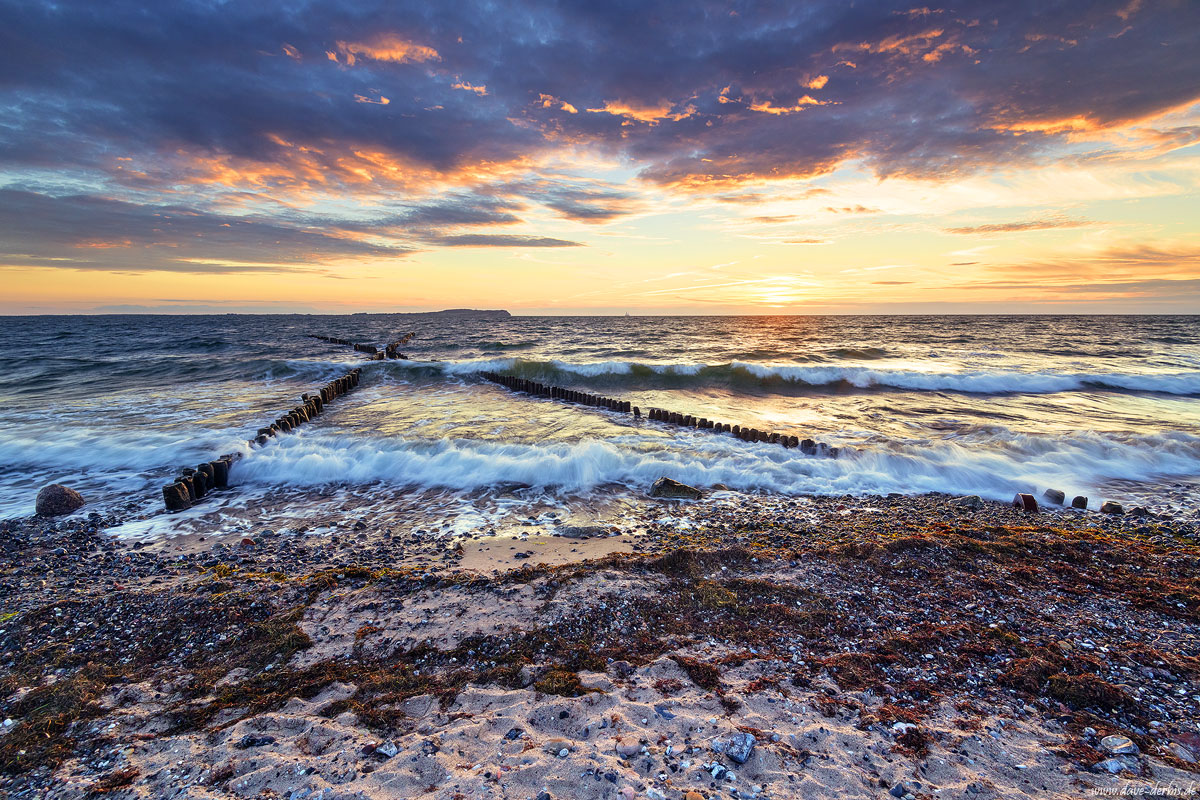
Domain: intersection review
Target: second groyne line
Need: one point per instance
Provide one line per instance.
(743, 432)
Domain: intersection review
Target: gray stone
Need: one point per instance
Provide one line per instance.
(1112, 765)
(56, 499)
(1111, 507)
(1182, 753)
(971, 501)
(1079, 502)
(740, 746)
(1118, 745)
(674, 490)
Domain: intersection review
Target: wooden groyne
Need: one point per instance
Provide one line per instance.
(193, 484)
(392, 350)
(367, 349)
(743, 432)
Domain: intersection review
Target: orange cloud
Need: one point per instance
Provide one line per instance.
(466, 86)
(291, 51)
(385, 47)
(766, 107)
(104, 245)
(382, 101)
(550, 101)
(641, 112)
(817, 82)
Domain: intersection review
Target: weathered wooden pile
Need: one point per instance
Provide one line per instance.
(745, 433)
(194, 484)
(368, 349)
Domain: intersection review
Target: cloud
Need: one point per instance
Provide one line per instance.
(502, 240)
(858, 208)
(1027, 225)
(200, 106)
(387, 47)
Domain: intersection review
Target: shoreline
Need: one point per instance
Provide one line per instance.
(867, 644)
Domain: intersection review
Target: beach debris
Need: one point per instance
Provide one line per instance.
(1079, 502)
(1055, 496)
(1025, 502)
(55, 500)
(1112, 507)
(669, 489)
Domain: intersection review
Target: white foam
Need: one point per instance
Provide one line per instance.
(995, 464)
(981, 381)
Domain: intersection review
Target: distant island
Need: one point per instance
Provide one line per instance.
(450, 312)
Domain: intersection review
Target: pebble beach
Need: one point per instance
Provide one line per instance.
(739, 645)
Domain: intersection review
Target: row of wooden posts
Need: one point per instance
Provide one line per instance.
(391, 351)
(745, 433)
(368, 349)
(194, 484)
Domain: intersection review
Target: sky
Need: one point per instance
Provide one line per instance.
(1019, 156)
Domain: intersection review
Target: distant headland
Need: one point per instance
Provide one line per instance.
(453, 312)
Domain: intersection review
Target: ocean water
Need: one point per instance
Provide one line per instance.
(1107, 407)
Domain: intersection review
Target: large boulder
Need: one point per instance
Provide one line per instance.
(674, 490)
(56, 499)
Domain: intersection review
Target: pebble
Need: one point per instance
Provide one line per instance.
(1118, 746)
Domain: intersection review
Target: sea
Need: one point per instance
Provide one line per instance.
(1106, 407)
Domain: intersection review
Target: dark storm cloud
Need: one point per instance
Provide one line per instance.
(365, 97)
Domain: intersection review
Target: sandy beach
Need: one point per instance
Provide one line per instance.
(755, 647)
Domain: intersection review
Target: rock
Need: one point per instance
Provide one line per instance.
(971, 501)
(621, 669)
(674, 490)
(56, 499)
(1139, 511)
(1118, 746)
(1055, 496)
(1181, 752)
(1111, 765)
(557, 747)
(905, 788)
(741, 745)
(528, 675)
(248, 741)
(1025, 502)
(692, 794)
(514, 733)
(387, 750)
(628, 749)
(1110, 507)
(1079, 502)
